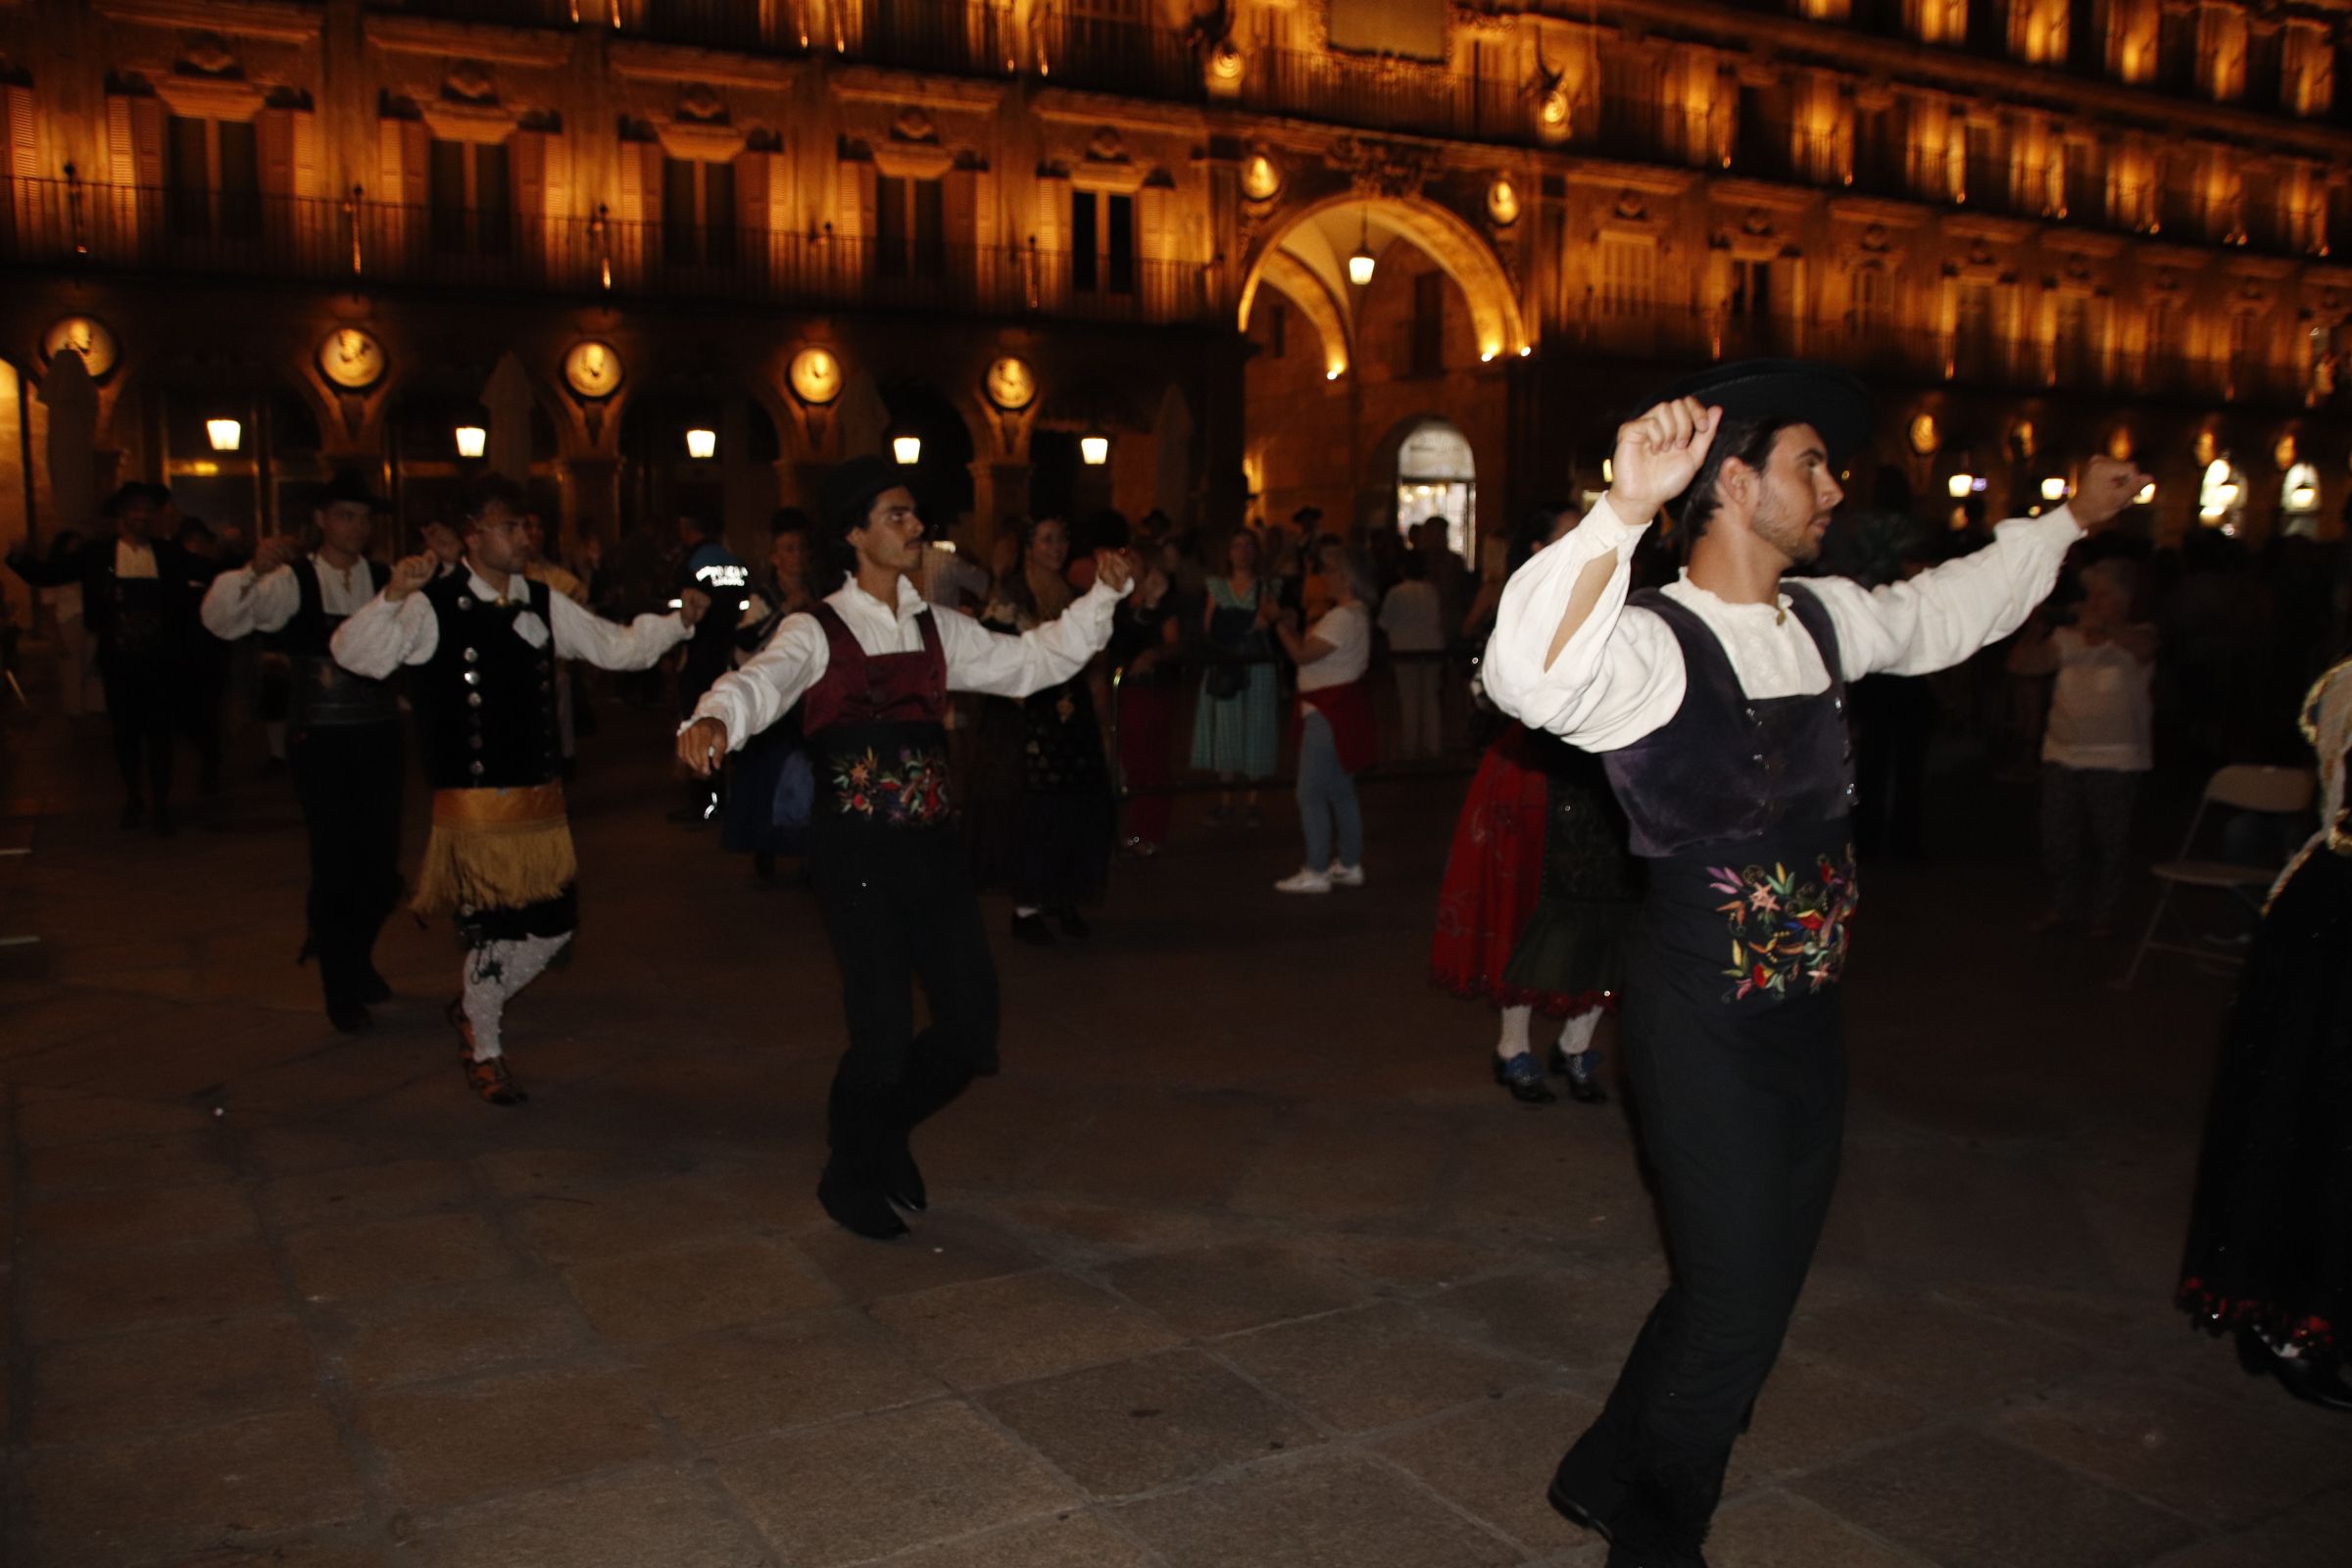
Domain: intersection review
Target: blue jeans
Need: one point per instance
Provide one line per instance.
(1327, 791)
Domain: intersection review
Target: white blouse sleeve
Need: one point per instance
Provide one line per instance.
(1940, 618)
(240, 603)
(1001, 665)
(1620, 676)
(381, 636)
(583, 634)
(750, 699)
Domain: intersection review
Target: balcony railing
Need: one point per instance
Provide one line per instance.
(69, 224)
(506, 13)
(1976, 361)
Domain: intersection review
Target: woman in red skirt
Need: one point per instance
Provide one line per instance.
(1538, 891)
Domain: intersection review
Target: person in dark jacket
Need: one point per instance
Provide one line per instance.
(139, 607)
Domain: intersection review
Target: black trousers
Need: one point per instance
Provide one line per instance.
(1742, 1116)
(899, 905)
(142, 704)
(349, 779)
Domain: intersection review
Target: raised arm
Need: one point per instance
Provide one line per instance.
(583, 634)
(1000, 664)
(41, 572)
(260, 597)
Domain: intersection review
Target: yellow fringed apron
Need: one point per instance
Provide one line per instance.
(495, 850)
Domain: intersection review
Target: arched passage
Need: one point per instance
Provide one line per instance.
(1319, 239)
(1437, 481)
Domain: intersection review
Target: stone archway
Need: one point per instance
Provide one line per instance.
(1282, 259)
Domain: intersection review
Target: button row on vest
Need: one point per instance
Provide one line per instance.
(473, 677)
(471, 658)
(475, 770)
(473, 699)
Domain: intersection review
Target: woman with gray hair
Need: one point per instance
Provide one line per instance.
(1338, 737)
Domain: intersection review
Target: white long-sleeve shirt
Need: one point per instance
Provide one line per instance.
(1621, 678)
(241, 603)
(383, 635)
(749, 700)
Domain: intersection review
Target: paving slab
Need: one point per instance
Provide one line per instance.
(1141, 1425)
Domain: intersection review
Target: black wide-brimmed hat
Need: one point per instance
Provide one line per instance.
(1834, 402)
(351, 485)
(849, 488)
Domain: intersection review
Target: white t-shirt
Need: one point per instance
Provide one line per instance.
(1348, 631)
(2101, 707)
(1410, 617)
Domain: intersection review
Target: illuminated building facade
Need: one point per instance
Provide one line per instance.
(1382, 257)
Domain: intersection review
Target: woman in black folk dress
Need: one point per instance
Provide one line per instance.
(2269, 1238)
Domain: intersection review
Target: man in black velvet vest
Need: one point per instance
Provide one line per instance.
(482, 642)
(343, 737)
(1718, 704)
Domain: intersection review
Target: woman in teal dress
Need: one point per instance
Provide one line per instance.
(1236, 726)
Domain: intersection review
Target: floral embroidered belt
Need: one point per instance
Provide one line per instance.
(1756, 921)
(888, 775)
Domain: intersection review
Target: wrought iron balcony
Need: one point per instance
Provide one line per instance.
(65, 224)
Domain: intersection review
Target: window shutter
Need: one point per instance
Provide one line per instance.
(24, 151)
(528, 151)
(273, 134)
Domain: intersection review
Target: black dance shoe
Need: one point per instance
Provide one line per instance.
(2312, 1380)
(1032, 929)
(1073, 924)
(902, 1178)
(1575, 1512)
(859, 1207)
(1521, 1076)
(1583, 1072)
(349, 1018)
(374, 989)
(1623, 1556)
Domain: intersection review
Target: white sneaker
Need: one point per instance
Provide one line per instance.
(1303, 881)
(1346, 876)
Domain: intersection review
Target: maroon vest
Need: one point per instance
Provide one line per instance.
(863, 688)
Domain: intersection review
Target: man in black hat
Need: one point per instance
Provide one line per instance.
(1718, 704)
(343, 734)
(136, 603)
(872, 667)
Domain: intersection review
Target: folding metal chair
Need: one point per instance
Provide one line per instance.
(2242, 787)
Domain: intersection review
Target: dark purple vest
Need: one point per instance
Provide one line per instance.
(1728, 769)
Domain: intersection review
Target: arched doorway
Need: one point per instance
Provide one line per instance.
(1377, 317)
(1437, 480)
(939, 465)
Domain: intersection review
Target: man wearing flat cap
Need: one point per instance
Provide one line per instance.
(1718, 707)
(872, 667)
(343, 734)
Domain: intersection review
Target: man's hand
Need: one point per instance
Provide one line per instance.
(702, 745)
(408, 575)
(2107, 488)
(279, 549)
(693, 604)
(1658, 455)
(1115, 570)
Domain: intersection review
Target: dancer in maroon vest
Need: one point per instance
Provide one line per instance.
(872, 667)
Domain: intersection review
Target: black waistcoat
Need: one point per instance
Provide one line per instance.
(486, 699)
(322, 694)
(1728, 768)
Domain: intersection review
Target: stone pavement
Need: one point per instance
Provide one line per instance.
(1242, 1261)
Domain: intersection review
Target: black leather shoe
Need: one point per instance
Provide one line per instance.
(2314, 1380)
(1073, 924)
(349, 1018)
(1575, 1512)
(374, 989)
(902, 1178)
(1524, 1079)
(858, 1208)
(1032, 929)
